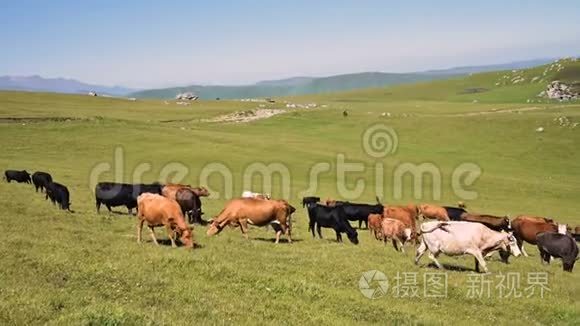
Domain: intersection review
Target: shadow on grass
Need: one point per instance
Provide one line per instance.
(167, 243)
(451, 267)
(282, 240)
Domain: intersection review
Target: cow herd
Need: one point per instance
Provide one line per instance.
(445, 229)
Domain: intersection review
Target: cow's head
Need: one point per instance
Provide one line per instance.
(187, 237)
(510, 245)
(352, 236)
(201, 191)
(214, 228)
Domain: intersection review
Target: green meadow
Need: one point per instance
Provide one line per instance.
(62, 268)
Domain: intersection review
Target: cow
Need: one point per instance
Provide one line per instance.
(458, 238)
(332, 217)
(526, 228)
(406, 214)
(357, 212)
(257, 195)
(454, 213)
(113, 194)
(190, 204)
(429, 211)
(41, 180)
(396, 231)
(576, 233)
(375, 225)
(58, 194)
(170, 191)
(157, 210)
(558, 245)
(496, 223)
(305, 203)
(18, 176)
(243, 211)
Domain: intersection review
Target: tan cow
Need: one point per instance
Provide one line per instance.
(258, 212)
(406, 214)
(375, 226)
(429, 211)
(396, 231)
(169, 190)
(157, 211)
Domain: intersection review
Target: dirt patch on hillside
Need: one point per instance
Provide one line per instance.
(36, 119)
(497, 111)
(246, 116)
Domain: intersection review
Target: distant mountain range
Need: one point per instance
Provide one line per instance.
(268, 88)
(58, 85)
(313, 85)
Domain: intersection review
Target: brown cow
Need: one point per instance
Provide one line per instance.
(169, 190)
(526, 228)
(428, 211)
(406, 214)
(259, 212)
(496, 223)
(157, 210)
(396, 231)
(375, 226)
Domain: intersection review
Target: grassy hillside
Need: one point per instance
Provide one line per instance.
(513, 86)
(85, 268)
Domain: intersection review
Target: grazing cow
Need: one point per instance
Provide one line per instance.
(257, 195)
(406, 214)
(375, 225)
(396, 231)
(454, 213)
(190, 204)
(331, 217)
(18, 176)
(576, 234)
(157, 210)
(113, 194)
(258, 212)
(428, 211)
(58, 194)
(459, 238)
(41, 180)
(495, 223)
(357, 212)
(560, 246)
(526, 228)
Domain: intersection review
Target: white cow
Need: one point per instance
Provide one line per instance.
(456, 238)
(249, 194)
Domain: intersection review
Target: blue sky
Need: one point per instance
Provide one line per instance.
(164, 43)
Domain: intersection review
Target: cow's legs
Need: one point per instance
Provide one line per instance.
(244, 228)
(153, 235)
(395, 244)
(420, 251)
(479, 261)
(286, 230)
(520, 243)
(98, 204)
(311, 226)
(139, 230)
(170, 233)
(318, 229)
(338, 236)
(433, 257)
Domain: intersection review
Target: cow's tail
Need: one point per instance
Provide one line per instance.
(442, 226)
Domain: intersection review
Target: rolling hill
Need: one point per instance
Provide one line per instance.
(313, 85)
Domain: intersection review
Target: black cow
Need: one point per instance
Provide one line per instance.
(305, 202)
(58, 194)
(455, 213)
(331, 217)
(18, 176)
(41, 180)
(558, 245)
(113, 194)
(360, 212)
(190, 205)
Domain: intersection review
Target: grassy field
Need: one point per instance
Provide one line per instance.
(84, 268)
